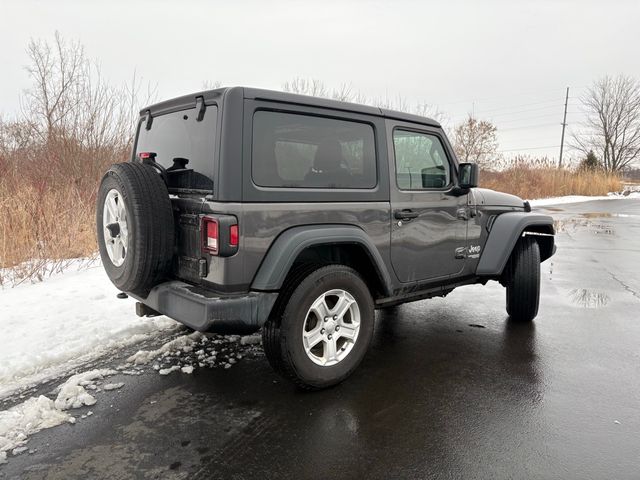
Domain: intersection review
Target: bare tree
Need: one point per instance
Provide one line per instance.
(211, 84)
(71, 103)
(612, 126)
(476, 141)
(346, 93)
(56, 73)
(306, 86)
(428, 110)
(399, 103)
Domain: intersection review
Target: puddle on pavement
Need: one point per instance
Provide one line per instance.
(608, 215)
(573, 224)
(588, 298)
(596, 215)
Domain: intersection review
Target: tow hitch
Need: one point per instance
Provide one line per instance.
(143, 310)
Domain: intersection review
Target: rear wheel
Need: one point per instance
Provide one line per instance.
(523, 281)
(321, 326)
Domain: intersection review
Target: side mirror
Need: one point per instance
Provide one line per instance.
(468, 175)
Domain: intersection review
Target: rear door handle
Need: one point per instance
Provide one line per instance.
(406, 214)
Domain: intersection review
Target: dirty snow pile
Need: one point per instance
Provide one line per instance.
(38, 413)
(52, 327)
(196, 350)
(183, 354)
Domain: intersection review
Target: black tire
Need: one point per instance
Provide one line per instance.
(150, 225)
(523, 281)
(282, 334)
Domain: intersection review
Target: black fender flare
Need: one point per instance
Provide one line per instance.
(505, 232)
(286, 248)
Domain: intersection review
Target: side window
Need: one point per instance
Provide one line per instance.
(421, 162)
(304, 151)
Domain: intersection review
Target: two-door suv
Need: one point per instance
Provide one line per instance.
(244, 209)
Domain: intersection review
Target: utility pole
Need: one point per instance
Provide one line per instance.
(564, 124)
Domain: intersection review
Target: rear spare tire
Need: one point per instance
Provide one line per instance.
(135, 226)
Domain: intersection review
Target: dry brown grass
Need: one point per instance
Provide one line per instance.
(47, 210)
(47, 202)
(539, 179)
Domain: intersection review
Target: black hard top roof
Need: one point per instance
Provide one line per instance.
(187, 101)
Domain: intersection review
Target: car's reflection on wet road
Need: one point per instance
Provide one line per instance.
(450, 389)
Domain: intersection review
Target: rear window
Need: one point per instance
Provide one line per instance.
(304, 151)
(184, 146)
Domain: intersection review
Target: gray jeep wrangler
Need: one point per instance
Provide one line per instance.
(244, 209)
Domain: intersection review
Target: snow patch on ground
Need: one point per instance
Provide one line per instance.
(251, 340)
(18, 423)
(72, 393)
(21, 421)
(37, 270)
(167, 371)
(196, 350)
(142, 357)
(112, 386)
(53, 327)
(628, 192)
(541, 202)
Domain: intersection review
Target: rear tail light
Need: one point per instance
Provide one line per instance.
(210, 230)
(233, 235)
(220, 235)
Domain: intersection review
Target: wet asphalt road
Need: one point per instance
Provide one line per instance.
(435, 398)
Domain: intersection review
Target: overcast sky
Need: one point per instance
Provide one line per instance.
(508, 61)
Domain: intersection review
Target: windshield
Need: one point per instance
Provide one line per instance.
(183, 146)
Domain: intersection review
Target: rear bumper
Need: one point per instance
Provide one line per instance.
(207, 311)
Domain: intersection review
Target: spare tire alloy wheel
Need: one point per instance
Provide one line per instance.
(331, 327)
(135, 227)
(115, 228)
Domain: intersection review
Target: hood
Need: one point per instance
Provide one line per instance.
(484, 196)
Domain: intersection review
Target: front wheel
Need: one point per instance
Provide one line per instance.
(321, 328)
(523, 281)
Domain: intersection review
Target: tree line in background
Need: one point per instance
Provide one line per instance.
(73, 124)
(608, 139)
(70, 107)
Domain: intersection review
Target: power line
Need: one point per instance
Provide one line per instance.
(507, 107)
(522, 119)
(520, 94)
(531, 127)
(508, 121)
(528, 148)
(523, 111)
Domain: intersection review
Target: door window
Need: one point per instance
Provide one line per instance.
(421, 162)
